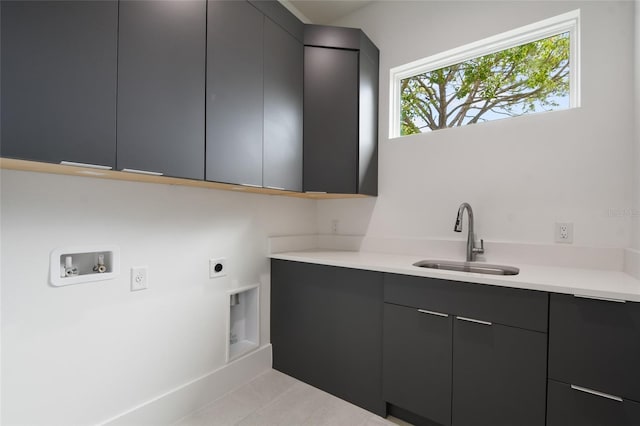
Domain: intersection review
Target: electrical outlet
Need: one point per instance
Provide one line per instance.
(334, 226)
(217, 267)
(139, 278)
(564, 232)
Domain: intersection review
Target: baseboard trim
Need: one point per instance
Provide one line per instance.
(171, 406)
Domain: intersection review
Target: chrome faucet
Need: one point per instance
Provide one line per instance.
(472, 250)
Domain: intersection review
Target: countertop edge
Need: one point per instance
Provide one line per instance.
(573, 281)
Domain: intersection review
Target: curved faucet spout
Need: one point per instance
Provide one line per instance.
(472, 250)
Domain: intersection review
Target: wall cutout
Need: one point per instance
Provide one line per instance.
(243, 332)
(83, 264)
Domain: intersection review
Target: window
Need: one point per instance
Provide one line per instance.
(526, 70)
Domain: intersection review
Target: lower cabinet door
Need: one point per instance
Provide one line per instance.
(416, 372)
(499, 374)
(577, 406)
(326, 329)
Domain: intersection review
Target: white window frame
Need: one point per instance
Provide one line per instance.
(567, 22)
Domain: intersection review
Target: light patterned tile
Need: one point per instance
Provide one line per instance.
(275, 399)
(226, 411)
(337, 412)
(379, 421)
(293, 407)
(272, 384)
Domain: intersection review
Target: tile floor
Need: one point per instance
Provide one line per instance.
(275, 399)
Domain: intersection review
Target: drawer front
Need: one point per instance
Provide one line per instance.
(596, 344)
(567, 406)
(508, 306)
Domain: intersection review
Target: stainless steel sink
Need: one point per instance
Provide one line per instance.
(481, 268)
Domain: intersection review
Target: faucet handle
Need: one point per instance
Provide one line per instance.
(480, 249)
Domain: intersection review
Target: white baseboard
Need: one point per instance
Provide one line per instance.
(166, 409)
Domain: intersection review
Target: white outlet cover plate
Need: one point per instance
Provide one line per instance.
(564, 232)
(139, 278)
(212, 267)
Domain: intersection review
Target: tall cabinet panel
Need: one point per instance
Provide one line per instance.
(234, 104)
(340, 111)
(330, 120)
(59, 81)
(161, 86)
(283, 74)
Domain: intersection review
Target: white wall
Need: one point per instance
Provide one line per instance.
(636, 216)
(522, 174)
(82, 354)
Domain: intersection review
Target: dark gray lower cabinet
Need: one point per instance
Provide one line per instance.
(595, 344)
(499, 375)
(568, 406)
(457, 353)
(326, 329)
(234, 117)
(161, 84)
(59, 65)
(417, 355)
(594, 374)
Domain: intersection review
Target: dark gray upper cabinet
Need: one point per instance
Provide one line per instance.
(283, 72)
(234, 104)
(326, 329)
(277, 13)
(595, 344)
(161, 86)
(330, 120)
(340, 111)
(417, 355)
(59, 69)
(499, 375)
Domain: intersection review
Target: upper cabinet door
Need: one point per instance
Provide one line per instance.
(59, 81)
(234, 93)
(330, 120)
(161, 86)
(283, 74)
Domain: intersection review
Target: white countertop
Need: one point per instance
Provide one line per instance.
(585, 282)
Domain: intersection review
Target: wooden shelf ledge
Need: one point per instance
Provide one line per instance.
(59, 169)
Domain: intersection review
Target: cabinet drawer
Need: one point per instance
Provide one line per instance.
(567, 406)
(508, 306)
(596, 344)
